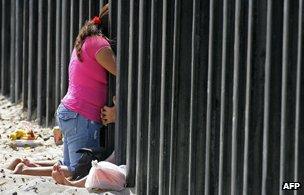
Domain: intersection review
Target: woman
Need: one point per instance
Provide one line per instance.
(79, 113)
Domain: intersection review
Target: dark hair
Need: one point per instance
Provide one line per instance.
(91, 29)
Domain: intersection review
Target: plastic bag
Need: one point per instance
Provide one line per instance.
(107, 176)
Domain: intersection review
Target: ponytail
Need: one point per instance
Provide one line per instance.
(92, 28)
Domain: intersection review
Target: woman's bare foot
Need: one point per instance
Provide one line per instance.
(29, 163)
(59, 177)
(25, 161)
(14, 163)
(19, 168)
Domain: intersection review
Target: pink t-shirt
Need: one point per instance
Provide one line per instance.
(88, 80)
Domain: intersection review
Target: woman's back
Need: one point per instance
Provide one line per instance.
(88, 80)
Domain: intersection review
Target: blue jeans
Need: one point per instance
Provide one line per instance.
(78, 132)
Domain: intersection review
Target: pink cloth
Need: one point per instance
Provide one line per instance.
(88, 80)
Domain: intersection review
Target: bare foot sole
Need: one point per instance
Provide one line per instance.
(19, 168)
(58, 177)
(29, 163)
(14, 163)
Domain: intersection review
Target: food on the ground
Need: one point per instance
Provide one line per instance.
(22, 134)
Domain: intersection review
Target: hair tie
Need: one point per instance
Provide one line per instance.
(96, 20)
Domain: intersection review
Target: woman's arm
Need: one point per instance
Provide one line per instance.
(106, 58)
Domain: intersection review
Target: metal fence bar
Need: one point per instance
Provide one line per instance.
(285, 62)
(223, 96)
(1, 15)
(248, 98)
(266, 96)
(18, 49)
(184, 99)
(298, 94)
(83, 12)
(193, 100)
(25, 56)
(142, 93)
(58, 53)
(74, 23)
(166, 96)
(121, 82)
(42, 55)
(12, 50)
(154, 98)
(209, 99)
(5, 37)
(32, 68)
(110, 129)
(132, 95)
(51, 63)
(174, 98)
(65, 49)
(235, 97)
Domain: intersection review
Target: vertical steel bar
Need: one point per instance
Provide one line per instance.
(139, 163)
(25, 56)
(183, 101)
(142, 122)
(18, 49)
(83, 12)
(162, 102)
(235, 97)
(121, 82)
(193, 102)
(298, 94)
(74, 28)
(0, 40)
(267, 97)
(248, 98)
(12, 51)
(154, 98)
(40, 59)
(58, 53)
(5, 37)
(132, 96)
(209, 97)
(223, 96)
(174, 99)
(32, 68)
(284, 92)
(41, 70)
(110, 130)
(80, 13)
(64, 47)
(50, 69)
(90, 7)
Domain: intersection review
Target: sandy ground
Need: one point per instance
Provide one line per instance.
(12, 118)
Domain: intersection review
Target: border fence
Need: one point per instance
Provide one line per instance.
(209, 92)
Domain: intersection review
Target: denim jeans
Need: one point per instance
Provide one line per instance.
(78, 132)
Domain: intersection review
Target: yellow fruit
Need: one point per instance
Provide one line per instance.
(13, 136)
(20, 133)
